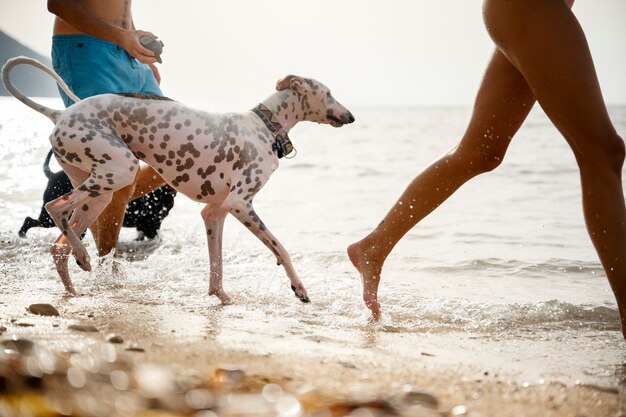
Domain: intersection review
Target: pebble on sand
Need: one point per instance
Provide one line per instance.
(423, 399)
(115, 339)
(85, 328)
(133, 347)
(43, 310)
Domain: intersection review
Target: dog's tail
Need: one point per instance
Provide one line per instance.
(48, 112)
(46, 165)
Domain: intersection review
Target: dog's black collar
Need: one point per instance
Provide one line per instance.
(282, 146)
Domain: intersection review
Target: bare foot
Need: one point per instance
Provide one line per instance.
(370, 270)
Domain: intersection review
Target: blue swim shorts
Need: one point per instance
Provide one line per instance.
(91, 66)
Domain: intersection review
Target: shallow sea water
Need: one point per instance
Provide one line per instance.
(500, 279)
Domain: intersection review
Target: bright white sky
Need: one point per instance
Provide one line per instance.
(369, 52)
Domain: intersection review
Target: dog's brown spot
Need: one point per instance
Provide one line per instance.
(189, 163)
(204, 173)
(207, 188)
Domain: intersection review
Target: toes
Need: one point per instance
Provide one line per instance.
(371, 302)
(375, 312)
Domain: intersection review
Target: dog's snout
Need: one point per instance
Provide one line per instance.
(347, 118)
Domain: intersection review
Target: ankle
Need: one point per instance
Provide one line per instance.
(372, 252)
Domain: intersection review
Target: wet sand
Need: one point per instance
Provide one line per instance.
(328, 376)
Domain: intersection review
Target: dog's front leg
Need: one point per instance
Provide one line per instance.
(244, 212)
(214, 222)
(61, 250)
(60, 210)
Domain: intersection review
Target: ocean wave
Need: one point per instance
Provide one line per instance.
(464, 315)
(497, 266)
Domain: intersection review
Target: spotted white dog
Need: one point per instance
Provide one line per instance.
(221, 160)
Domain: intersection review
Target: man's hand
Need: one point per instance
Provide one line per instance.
(155, 72)
(78, 14)
(129, 40)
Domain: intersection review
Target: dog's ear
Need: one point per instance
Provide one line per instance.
(288, 82)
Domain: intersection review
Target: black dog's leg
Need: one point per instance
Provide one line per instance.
(148, 212)
(28, 223)
(58, 184)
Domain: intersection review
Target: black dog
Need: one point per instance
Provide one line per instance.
(145, 213)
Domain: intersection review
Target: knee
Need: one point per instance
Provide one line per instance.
(480, 160)
(616, 152)
(607, 153)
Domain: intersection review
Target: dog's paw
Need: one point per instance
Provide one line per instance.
(301, 293)
(223, 297)
(80, 294)
(226, 300)
(84, 262)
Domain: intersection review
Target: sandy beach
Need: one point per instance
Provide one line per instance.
(176, 352)
(494, 304)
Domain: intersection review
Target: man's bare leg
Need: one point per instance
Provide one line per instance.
(147, 181)
(106, 229)
(502, 103)
(546, 43)
(559, 70)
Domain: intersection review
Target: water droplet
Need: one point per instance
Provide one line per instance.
(459, 410)
(119, 380)
(199, 399)
(272, 392)
(288, 406)
(76, 377)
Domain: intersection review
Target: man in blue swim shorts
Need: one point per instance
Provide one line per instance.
(93, 66)
(96, 50)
